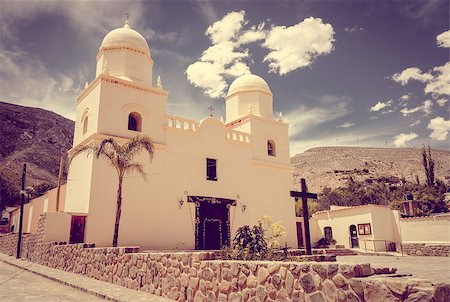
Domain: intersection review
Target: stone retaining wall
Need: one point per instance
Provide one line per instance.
(423, 249)
(196, 276)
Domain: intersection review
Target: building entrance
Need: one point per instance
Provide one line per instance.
(212, 222)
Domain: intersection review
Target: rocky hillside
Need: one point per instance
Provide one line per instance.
(332, 166)
(33, 136)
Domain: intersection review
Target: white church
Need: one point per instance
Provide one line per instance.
(207, 178)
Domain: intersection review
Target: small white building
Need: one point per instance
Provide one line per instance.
(207, 177)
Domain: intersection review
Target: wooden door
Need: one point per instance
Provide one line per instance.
(212, 227)
(299, 234)
(354, 242)
(77, 229)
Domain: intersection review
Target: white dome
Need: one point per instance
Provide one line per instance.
(126, 36)
(248, 82)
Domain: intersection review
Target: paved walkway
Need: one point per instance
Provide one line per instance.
(434, 269)
(26, 285)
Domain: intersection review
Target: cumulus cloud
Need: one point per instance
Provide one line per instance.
(440, 83)
(425, 108)
(297, 46)
(439, 128)
(290, 48)
(346, 125)
(405, 97)
(442, 102)
(223, 58)
(443, 39)
(401, 139)
(380, 105)
(412, 73)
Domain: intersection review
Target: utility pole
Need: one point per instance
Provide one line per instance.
(22, 202)
(58, 190)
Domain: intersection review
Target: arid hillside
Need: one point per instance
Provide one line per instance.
(33, 136)
(332, 166)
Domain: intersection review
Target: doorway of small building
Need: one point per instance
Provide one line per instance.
(328, 234)
(354, 241)
(77, 229)
(300, 234)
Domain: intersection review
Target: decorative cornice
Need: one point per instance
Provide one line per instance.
(113, 80)
(123, 47)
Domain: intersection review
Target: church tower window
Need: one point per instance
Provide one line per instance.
(85, 124)
(211, 169)
(134, 122)
(271, 151)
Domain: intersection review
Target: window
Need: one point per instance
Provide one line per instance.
(85, 124)
(211, 169)
(134, 122)
(364, 229)
(271, 148)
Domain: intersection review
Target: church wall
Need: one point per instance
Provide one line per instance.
(151, 216)
(118, 101)
(89, 107)
(79, 185)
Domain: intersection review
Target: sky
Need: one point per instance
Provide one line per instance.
(342, 73)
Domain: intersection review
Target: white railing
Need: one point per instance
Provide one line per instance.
(182, 123)
(239, 136)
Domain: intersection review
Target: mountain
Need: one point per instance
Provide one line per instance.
(33, 136)
(332, 166)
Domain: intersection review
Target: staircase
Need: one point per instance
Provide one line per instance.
(340, 252)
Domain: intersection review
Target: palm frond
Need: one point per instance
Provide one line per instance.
(87, 149)
(136, 168)
(137, 143)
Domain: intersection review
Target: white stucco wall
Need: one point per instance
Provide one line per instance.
(433, 229)
(57, 227)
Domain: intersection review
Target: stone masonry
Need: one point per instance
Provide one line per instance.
(196, 276)
(422, 249)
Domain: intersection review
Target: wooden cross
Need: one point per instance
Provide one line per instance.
(211, 109)
(304, 195)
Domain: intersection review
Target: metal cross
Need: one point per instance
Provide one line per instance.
(127, 14)
(211, 109)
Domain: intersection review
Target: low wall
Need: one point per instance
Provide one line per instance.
(196, 276)
(423, 249)
(429, 229)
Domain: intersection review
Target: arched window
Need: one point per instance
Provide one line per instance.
(271, 151)
(85, 124)
(134, 122)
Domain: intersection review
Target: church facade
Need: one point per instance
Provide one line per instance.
(207, 178)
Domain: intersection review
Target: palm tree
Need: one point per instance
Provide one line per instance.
(120, 157)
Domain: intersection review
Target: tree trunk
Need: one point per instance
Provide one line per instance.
(118, 212)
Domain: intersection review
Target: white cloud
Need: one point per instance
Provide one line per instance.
(302, 118)
(415, 123)
(443, 39)
(222, 58)
(254, 34)
(405, 97)
(346, 125)
(401, 139)
(439, 128)
(380, 105)
(442, 102)
(354, 28)
(440, 84)
(425, 108)
(412, 73)
(227, 28)
(299, 45)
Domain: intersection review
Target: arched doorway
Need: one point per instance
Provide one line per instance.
(328, 234)
(354, 242)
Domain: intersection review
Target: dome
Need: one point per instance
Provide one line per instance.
(248, 82)
(126, 36)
